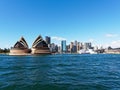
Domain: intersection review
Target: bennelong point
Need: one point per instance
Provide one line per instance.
(40, 51)
(19, 51)
(39, 47)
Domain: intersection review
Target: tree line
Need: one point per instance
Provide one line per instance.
(5, 50)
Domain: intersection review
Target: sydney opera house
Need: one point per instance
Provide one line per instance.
(39, 47)
(20, 48)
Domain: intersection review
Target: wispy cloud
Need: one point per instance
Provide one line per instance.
(116, 43)
(57, 38)
(91, 40)
(113, 44)
(111, 35)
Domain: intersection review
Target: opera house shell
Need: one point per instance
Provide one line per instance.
(20, 48)
(40, 47)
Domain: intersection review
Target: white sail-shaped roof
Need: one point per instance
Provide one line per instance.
(21, 43)
(39, 42)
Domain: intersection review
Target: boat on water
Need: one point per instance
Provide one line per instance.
(88, 51)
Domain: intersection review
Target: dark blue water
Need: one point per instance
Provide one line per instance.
(60, 72)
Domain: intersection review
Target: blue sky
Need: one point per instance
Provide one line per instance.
(97, 21)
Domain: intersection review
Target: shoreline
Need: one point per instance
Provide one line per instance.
(55, 54)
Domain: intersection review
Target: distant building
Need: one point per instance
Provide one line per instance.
(78, 46)
(87, 46)
(63, 46)
(68, 48)
(75, 46)
(52, 47)
(113, 51)
(48, 39)
(75, 43)
(56, 48)
(71, 47)
(59, 49)
(74, 49)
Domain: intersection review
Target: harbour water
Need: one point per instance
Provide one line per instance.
(60, 72)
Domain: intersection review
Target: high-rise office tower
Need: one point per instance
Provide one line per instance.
(52, 47)
(71, 47)
(75, 43)
(63, 46)
(75, 46)
(78, 46)
(87, 45)
(48, 39)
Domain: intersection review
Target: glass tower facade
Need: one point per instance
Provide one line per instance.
(48, 40)
(63, 46)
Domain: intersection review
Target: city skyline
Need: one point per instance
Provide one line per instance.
(95, 21)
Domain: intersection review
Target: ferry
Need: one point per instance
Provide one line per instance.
(88, 51)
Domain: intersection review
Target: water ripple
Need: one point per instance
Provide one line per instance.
(56, 72)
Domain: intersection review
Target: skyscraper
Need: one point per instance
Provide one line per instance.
(71, 47)
(87, 46)
(63, 46)
(75, 43)
(48, 40)
(52, 47)
(75, 46)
